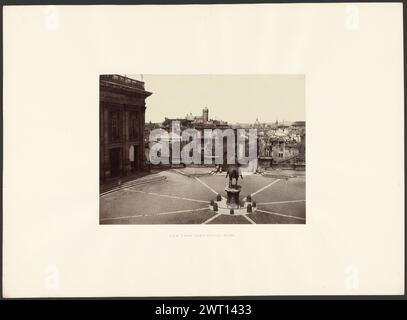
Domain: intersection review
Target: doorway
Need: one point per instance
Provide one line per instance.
(137, 158)
(134, 157)
(114, 162)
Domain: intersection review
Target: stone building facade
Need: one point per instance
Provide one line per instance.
(122, 118)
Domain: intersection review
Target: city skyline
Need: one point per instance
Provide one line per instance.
(231, 98)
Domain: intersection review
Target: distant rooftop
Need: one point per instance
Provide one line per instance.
(299, 124)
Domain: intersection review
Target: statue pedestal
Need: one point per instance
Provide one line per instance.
(233, 196)
(232, 205)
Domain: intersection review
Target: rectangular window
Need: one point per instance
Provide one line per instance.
(114, 126)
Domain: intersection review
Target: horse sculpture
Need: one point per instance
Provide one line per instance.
(233, 172)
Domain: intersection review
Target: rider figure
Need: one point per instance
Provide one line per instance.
(234, 172)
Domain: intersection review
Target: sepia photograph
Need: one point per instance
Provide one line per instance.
(202, 149)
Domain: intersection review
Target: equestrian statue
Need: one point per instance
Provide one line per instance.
(233, 172)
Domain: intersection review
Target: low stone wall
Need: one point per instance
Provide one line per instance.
(132, 183)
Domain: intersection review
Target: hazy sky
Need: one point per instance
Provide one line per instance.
(232, 98)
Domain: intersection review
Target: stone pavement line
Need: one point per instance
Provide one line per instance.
(133, 183)
(280, 214)
(248, 219)
(124, 217)
(278, 202)
(180, 172)
(182, 211)
(265, 187)
(204, 184)
(212, 218)
(165, 195)
(152, 215)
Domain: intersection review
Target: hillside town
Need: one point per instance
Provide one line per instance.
(280, 144)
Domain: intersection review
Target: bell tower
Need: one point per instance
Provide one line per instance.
(205, 114)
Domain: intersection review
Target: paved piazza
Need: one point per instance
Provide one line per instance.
(184, 198)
